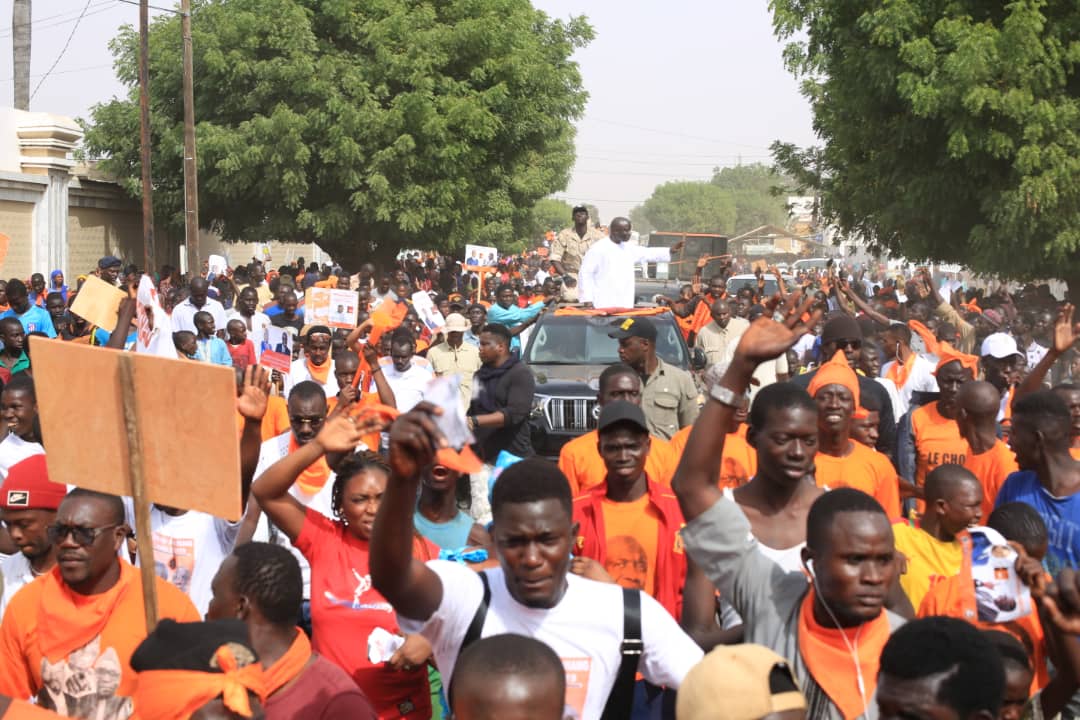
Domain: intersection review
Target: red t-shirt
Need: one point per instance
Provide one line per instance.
(345, 608)
(322, 692)
(242, 355)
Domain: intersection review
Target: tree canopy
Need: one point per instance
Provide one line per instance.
(950, 130)
(363, 127)
(735, 200)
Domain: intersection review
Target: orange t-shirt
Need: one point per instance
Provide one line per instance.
(274, 422)
(738, 463)
(1075, 452)
(583, 467)
(937, 442)
(107, 655)
(632, 529)
(992, 467)
(863, 469)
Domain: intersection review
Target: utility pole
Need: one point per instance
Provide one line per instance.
(149, 260)
(191, 176)
(20, 47)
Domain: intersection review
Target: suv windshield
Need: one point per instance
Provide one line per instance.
(580, 340)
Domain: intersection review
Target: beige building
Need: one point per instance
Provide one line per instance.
(56, 214)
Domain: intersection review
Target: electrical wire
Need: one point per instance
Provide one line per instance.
(71, 16)
(62, 50)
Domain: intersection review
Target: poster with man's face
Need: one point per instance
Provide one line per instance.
(481, 255)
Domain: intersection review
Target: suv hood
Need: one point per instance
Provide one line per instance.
(566, 379)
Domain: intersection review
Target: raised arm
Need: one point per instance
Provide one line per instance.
(271, 489)
(252, 406)
(352, 340)
(382, 385)
(695, 479)
(125, 314)
(412, 587)
(1065, 336)
(863, 306)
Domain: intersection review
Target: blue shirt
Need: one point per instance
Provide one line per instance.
(216, 350)
(1061, 515)
(513, 316)
(34, 320)
(453, 535)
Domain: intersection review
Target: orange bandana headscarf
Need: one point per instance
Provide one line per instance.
(832, 664)
(288, 665)
(836, 372)
(947, 354)
(315, 475)
(176, 694)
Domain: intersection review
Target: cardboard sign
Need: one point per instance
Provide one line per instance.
(97, 303)
(186, 413)
(331, 307)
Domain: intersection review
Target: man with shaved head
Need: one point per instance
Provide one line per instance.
(719, 338)
(989, 458)
(933, 550)
(183, 315)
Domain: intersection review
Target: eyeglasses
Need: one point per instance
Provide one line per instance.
(848, 344)
(82, 535)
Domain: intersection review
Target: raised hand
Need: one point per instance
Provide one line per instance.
(414, 439)
(255, 393)
(1065, 333)
(371, 355)
(767, 339)
(339, 434)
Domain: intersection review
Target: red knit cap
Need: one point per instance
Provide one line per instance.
(28, 487)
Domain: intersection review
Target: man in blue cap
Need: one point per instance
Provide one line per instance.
(109, 268)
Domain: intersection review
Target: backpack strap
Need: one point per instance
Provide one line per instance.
(472, 634)
(621, 699)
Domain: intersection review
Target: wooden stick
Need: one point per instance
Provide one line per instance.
(143, 537)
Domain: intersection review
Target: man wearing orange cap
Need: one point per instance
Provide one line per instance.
(929, 435)
(28, 503)
(840, 461)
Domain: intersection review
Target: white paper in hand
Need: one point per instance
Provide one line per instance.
(1000, 596)
(443, 392)
(382, 644)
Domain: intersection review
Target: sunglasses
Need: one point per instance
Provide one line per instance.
(848, 344)
(82, 535)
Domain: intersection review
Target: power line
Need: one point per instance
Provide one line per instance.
(70, 15)
(62, 50)
(674, 133)
(69, 71)
(684, 163)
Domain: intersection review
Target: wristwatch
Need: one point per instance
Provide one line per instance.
(726, 397)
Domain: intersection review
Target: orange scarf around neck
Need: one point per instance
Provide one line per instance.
(68, 621)
(289, 665)
(315, 475)
(319, 373)
(899, 372)
(831, 664)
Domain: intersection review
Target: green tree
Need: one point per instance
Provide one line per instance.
(689, 206)
(550, 214)
(951, 131)
(754, 190)
(364, 127)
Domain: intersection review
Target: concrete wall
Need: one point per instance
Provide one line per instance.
(17, 222)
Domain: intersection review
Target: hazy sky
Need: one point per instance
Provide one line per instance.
(676, 86)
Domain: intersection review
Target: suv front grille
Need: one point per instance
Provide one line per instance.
(571, 413)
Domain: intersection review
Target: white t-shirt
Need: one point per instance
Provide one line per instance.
(189, 549)
(14, 449)
(585, 630)
(273, 450)
(183, 315)
(408, 386)
(17, 572)
(299, 372)
(920, 378)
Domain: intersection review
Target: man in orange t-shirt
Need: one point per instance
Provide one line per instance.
(580, 460)
(989, 459)
(629, 523)
(67, 637)
(929, 436)
(840, 461)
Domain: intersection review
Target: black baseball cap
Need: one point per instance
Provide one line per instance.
(633, 327)
(621, 411)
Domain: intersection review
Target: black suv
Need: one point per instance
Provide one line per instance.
(567, 353)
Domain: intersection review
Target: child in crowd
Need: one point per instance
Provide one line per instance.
(241, 350)
(212, 348)
(186, 346)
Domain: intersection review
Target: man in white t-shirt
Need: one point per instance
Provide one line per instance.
(408, 378)
(316, 365)
(531, 592)
(908, 371)
(247, 311)
(183, 315)
(28, 504)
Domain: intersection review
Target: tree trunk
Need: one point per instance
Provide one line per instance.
(20, 45)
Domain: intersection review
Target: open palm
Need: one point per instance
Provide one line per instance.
(1065, 333)
(767, 339)
(255, 393)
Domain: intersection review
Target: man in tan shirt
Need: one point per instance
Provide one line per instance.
(572, 243)
(719, 338)
(455, 356)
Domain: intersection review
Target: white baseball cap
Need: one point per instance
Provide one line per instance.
(456, 322)
(999, 345)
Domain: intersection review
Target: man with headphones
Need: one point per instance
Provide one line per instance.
(829, 621)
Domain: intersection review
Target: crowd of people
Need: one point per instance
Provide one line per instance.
(794, 532)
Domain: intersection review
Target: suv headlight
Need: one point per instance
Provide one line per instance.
(539, 404)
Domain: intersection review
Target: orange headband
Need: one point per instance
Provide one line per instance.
(176, 694)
